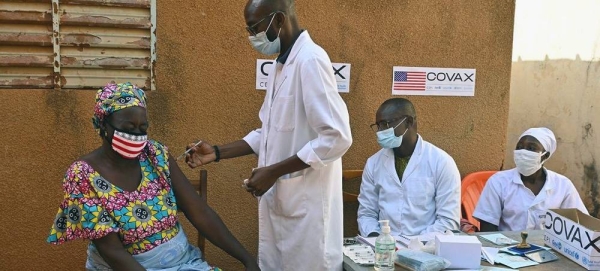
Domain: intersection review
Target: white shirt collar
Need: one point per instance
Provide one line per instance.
(548, 185)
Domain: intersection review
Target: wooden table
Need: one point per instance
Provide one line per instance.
(535, 237)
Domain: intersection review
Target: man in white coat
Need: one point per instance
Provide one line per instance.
(410, 182)
(305, 131)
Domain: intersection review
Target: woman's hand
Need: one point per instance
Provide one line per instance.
(200, 155)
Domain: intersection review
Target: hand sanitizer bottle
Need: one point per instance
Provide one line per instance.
(385, 248)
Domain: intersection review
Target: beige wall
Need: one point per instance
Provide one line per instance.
(205, 88)
(555, 83)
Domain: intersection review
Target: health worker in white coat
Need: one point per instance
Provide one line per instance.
(410, 182)
(305, 132)
(517, 199)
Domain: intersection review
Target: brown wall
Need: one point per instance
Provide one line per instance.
(205, 80)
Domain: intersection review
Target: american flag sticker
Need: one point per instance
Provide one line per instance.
(425, 81)
(412, 81)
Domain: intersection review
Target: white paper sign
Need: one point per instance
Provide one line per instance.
(263, 66)
(342, 76)
(340, 70)
(433, 81)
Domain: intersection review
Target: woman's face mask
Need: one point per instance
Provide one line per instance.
(528, 162)
(387, 139)
(261, 43)
(128, 145)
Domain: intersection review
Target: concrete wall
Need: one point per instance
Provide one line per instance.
(555, 82)
(205, 79)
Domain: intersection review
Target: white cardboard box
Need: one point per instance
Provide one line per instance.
(463, 252)
(574, 235)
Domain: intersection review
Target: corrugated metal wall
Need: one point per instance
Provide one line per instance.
(90, 43)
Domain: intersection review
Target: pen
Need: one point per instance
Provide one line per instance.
(188, 151)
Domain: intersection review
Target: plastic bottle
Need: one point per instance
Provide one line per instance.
(385, 248)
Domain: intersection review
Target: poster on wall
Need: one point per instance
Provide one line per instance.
(340, 70)
(433, 81)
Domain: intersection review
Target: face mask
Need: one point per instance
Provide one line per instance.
(528, 162)
(129, 146)
(388, 140)
(262, 44)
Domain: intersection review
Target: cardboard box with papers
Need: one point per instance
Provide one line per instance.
(575, 235)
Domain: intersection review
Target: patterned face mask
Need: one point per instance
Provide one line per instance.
(128, 145)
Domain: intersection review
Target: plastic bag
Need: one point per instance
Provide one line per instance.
(426, 242)
(420, 261)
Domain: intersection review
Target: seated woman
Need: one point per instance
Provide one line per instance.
(124, 197)
(517, 199)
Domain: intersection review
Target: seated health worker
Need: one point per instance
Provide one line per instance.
(410, 182)
(124, 197)
(517, 199)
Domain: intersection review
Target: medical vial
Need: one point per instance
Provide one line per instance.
(385, 248)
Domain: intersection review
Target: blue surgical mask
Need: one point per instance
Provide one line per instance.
(387, 139)
(263, 45)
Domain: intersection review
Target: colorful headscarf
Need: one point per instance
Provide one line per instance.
(545, 136)
(113, 98)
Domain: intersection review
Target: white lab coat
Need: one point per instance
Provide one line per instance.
(301, 216)
(426, 201)
(505, 201)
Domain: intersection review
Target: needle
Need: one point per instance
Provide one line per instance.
(188, 151)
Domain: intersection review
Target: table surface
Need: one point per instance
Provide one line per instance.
(535, 237)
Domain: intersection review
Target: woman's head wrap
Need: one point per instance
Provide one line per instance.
(114, 97)
(544, 135)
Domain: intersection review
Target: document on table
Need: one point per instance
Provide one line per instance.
(498, 239)
(404, 240)
(518, 252)
(370, 241)
(492, 256)
(513, 261)
(489, 254)
(360, 254)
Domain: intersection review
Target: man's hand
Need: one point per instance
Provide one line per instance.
(200, 155)
(261, 180)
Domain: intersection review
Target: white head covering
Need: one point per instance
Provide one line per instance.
(544, 136)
